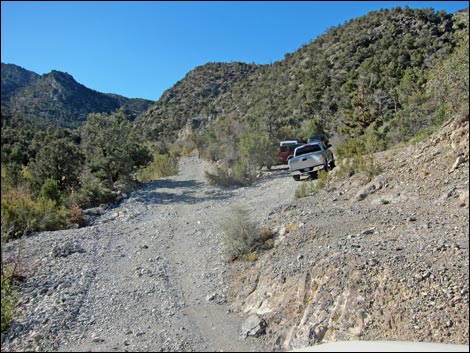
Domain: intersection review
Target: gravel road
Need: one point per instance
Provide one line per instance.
(148, 275)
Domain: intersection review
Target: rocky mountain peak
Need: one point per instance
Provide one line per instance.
(61, 77)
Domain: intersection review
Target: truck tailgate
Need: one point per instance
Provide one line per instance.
(306, 161)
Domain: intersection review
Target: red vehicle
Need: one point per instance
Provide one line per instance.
(286, 149)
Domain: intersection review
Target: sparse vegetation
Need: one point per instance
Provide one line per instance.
(323, 180)
(162, 165)
(356, 156)
(241, 234)
(76, 215)
(21, 214)
(391, 77)
(9, 298)
(309, 187)
(306, 188)
(242, 237)
(225, 177)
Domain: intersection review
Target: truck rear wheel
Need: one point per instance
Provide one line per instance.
(296, 177)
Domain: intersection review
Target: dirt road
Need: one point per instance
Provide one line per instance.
(147, 276)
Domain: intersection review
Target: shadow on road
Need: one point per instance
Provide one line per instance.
(166, 191)
(173, 191)
(276, 172)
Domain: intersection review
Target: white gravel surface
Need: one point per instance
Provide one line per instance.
(147, 276)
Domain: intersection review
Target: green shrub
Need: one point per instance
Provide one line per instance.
(448, 83)
(91, 193)
(225, 177)
(241, 234)
(257, 151)
(269, 244)
(351, 148)
(313, 127)
(11, 175)
(52, 216)
(368, 167)
(266, 233)
(374, 141)
(113, 150)
(249, 257)
(183, 148)
(50, 190)
(357, 158)
(306, 188)
(21, 214)
(323, 180)
(59, 160)
(9, 298)
(162, 165)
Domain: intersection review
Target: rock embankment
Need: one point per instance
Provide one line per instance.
(388, 260)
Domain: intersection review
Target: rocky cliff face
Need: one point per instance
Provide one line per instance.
(14, 78)
(355, 262)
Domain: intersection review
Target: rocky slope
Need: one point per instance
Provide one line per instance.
(14, 78)
(387, 260)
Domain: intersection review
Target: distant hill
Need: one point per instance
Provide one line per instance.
(192, 98)
(363, 69)
(58, 98)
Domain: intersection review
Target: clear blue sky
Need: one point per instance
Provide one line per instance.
(139, 49)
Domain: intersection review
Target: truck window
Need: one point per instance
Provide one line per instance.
(308, 149)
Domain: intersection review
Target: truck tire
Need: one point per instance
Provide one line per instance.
(313, 175)
(296, 177)
(332, 164)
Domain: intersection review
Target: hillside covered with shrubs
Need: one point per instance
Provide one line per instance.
(364, 75)
(381, 79)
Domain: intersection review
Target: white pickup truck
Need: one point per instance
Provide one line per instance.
(310, 158)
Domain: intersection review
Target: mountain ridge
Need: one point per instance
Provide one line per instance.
(57, 97)
(355, 75)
